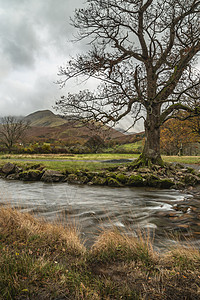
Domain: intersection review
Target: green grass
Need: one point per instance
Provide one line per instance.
(49, 261)
(129, 147)
(92, 162)
(99, 156)
(182, 159)
(69, 166)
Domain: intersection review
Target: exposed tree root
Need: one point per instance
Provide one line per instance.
(143, 161)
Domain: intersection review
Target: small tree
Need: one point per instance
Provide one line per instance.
(143, 53)
(12, 131)
(95, 143)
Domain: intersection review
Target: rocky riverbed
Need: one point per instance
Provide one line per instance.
(170, 176)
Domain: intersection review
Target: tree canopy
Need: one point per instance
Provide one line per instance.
(143, 53)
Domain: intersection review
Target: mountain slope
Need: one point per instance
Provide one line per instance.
(47, 127)
(44, 118)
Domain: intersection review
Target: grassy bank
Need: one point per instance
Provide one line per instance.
(63, 163)
(97, 156)
(62, 166)
(90, 162)
(183, 159)
(48, 261)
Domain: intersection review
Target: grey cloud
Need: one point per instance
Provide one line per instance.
(34, 40)
(55, 17)
(25, 98)
(28, 28)
(18, 38)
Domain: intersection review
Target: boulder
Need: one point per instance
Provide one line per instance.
(9, 168)
(73, 178)
(136, 180)
(166, 183)
(113, 182)
(52, 176)
(30, 175)
(14, 176)
(122, 178)
(97, 180)
(192, 180)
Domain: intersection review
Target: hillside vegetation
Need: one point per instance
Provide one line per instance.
(44, 118)
(47, 127)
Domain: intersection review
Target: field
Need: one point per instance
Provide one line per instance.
(91, 162)
(99, 156)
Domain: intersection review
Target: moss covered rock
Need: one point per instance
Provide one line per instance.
(30, 175)
(9, 168)
(97, 180)
(113, 182)
(190, 179)
(153, 181)
(72, 178)
(122, 178)
(83, 179)
(52, 176)
(136, 180)
(166, 183)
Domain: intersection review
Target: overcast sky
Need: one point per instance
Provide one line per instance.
(35, 40)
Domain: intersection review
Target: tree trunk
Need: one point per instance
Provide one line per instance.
(151, 152)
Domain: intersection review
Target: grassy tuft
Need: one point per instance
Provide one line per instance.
(185, 257)
(116, 245)
(18, 227)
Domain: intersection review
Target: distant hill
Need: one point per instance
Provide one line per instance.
(47, 127)
(131, 138)
(125, 131)
(44, 118)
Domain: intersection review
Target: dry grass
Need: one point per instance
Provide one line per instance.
(116, 245)
(15, 224)
(48, 261)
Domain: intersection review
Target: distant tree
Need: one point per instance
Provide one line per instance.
(143, 53)
(12, 130)
(97, 129)
(176, 136)
(95, 143)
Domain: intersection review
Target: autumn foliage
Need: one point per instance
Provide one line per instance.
(177, 136)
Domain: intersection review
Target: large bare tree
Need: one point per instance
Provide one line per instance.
(143, 53)
(12, 130)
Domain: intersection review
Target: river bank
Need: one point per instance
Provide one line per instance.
(48, 261)
(51, 261)
(117, 175)
(94, 207)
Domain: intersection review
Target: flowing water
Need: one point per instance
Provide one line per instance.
(162, 212)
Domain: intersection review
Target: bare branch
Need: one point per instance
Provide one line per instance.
(11, 131)
(143, 53)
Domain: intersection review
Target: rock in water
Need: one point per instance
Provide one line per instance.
(8, 168)
(52, 176)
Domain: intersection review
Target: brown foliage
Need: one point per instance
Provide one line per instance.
(176, 135)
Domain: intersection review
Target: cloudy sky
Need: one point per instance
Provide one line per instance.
(35, 40)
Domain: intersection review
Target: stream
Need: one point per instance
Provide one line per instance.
(165, 214)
